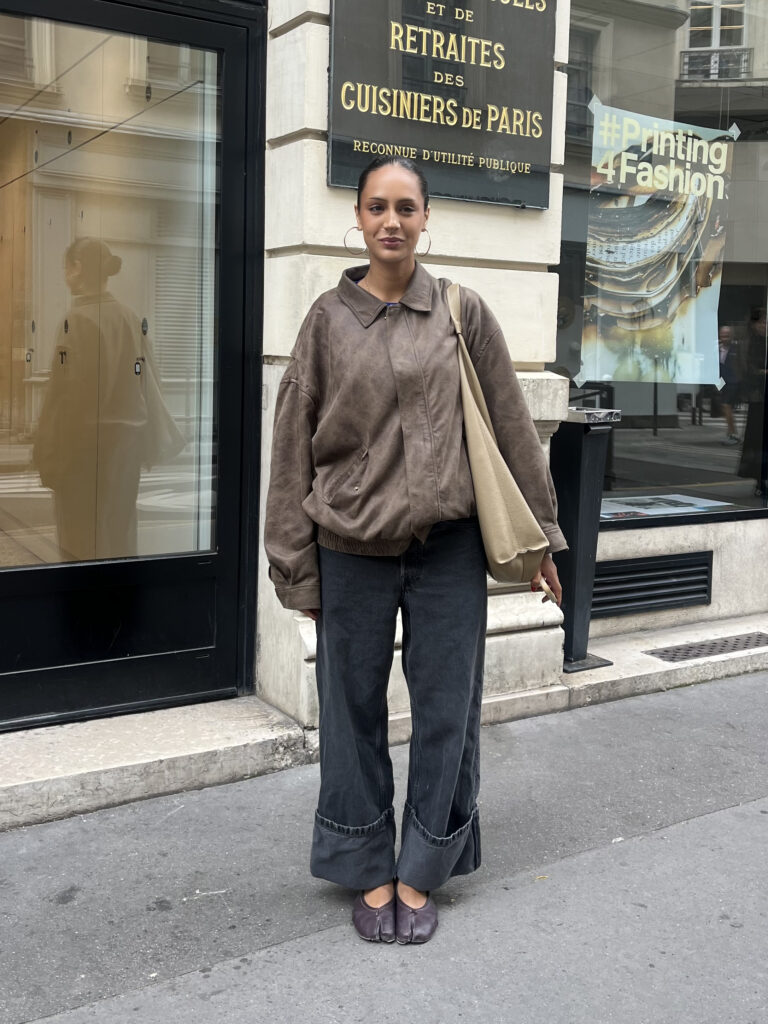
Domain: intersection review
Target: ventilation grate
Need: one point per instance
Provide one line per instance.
(632, 585)
(708, 648)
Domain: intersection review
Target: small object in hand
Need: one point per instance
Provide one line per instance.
(548, 592)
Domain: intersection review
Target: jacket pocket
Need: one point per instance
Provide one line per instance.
(354, 468)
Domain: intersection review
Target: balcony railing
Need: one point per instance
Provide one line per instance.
(725, 64)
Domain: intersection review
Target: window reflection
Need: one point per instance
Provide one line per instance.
(108, 200)
(103, 417)
(693, 430)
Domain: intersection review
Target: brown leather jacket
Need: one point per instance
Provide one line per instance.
(368, 450)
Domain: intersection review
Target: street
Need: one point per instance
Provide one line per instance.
(624, 880)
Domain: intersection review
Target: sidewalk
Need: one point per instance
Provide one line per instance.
(70, 769)
(623, 883)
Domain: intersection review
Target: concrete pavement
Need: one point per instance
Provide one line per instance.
(62, 770)
(624, 880)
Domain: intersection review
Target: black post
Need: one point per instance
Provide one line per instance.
(655, 396)
(577, 458)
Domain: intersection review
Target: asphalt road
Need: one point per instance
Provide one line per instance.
(624, 880)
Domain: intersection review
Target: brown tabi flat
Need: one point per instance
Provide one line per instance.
(416, 926)
(374, 924)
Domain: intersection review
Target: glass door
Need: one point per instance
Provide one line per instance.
(115, 575)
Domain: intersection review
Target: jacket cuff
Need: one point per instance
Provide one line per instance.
(299, 598)
(557, 541)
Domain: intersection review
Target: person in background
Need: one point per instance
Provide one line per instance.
(754, 455)
(730, 373)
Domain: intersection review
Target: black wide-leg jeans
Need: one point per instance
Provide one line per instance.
(440, 588)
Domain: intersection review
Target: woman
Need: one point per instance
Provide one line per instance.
(103, 417)
(370, 510)
(754, 455)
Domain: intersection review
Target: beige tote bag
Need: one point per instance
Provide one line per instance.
(514, 542)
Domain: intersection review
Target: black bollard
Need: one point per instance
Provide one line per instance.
(578, 453)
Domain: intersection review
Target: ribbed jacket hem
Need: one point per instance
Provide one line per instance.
(350, 546)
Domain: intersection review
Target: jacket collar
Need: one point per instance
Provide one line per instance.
(366, 307)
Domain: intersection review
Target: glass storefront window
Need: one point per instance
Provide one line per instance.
(664, 260)
(108, 217)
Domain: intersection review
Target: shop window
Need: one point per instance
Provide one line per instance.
(108, 299)
(664, 260)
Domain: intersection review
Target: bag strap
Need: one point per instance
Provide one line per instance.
(472, 389)
(454, 305)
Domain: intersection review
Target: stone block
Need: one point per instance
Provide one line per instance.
(283, 13)
(736, 590)
(520, 661)
(297, 82)
(505, 707)
(82, 766)
(524, 302)
(546, 395)
(559, 111)
(291, 284)
(281, 652)
(562, 30)
(305, 213)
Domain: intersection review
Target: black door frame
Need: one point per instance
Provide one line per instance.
(173, 677)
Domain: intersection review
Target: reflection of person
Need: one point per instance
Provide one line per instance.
(730, 374)
(101, 420)
(754, 455)
(371, 509)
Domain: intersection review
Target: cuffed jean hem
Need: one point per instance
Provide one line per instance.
(426, 862)
(356, 856)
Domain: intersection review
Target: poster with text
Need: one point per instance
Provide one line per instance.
(655, 241)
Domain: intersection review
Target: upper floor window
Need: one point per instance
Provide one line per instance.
(717, 23)
(15, 62)
(581, 58)
(171, 64)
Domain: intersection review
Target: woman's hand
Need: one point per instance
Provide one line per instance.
(548, 570)
(314, 613)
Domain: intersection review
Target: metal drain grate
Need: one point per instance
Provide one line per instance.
(707, 648)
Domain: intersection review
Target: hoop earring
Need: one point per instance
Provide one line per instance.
(354, 252)
(426, 251)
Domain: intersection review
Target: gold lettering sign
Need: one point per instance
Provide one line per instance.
(466, 90)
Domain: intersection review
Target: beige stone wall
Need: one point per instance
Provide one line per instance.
(502, 252)
(739, 586)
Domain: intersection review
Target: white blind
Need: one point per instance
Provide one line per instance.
(14, 62)
(176, 336)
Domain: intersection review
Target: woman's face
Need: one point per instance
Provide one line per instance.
(391, 214)
(73, 275)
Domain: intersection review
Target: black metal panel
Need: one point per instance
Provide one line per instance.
(627, 586)
(131, 635)
(50, 696)
(577, 459)
(651, 522)
(76, 626)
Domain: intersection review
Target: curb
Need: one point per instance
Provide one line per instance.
(60, 771)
